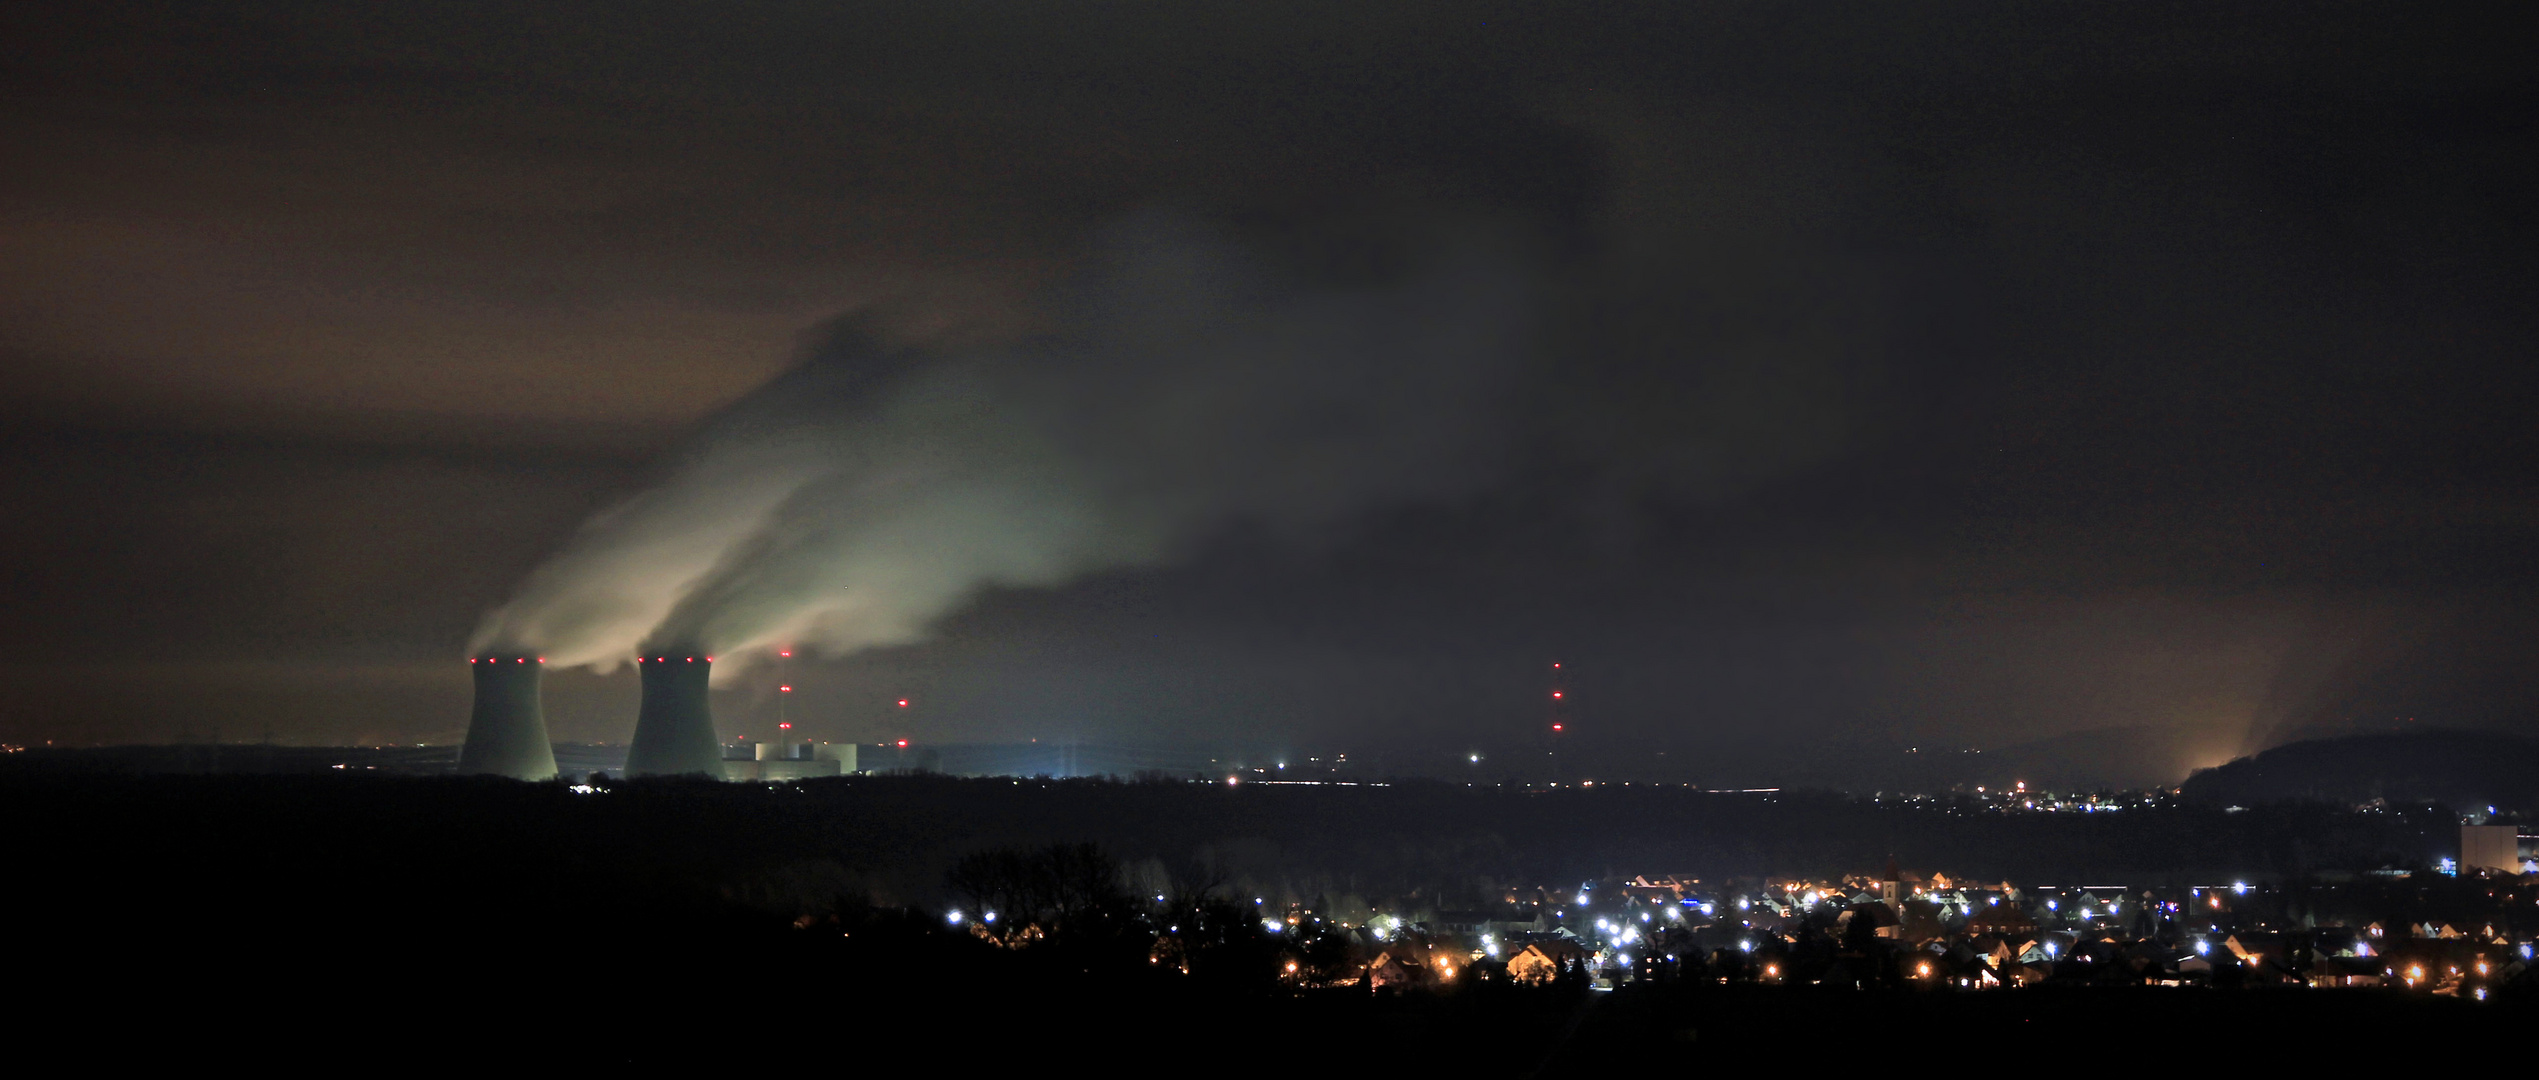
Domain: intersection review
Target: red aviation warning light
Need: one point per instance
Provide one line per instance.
(784, 652)
(1556, 727)
(784, 727)
(903, 703)
(903, 744)
(785, 689)
(1555, 695)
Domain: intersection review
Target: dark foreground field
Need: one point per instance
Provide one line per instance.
(413, 922)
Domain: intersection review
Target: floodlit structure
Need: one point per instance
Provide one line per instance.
(2490, 847)
(792, 761)
(507, 732)
(674, 731)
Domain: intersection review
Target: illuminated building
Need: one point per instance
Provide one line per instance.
(2490, 847)
(795, 761)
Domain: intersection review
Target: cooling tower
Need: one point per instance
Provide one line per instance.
(674, 733)
(507, 734)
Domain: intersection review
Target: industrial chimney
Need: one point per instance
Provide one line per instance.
(507, 734)
(674, 733)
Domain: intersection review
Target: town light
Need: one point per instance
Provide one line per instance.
(954, 917)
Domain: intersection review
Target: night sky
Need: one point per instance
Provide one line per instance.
(1800, 376)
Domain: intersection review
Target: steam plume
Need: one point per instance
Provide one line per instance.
(870, 491)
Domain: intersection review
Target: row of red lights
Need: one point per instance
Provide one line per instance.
(903, 702)
(657, 659)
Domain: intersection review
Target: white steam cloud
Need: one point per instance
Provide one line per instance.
(869, 492)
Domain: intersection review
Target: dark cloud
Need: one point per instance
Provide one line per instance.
(1967, 372)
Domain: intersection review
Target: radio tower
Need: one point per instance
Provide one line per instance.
(784, 694)
(1559, 722)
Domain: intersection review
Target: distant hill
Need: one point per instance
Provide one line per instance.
(2098, 759)
(2462, 768)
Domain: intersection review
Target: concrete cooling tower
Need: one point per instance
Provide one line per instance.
(507, 734)
(674, 732)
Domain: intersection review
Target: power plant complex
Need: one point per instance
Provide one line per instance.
(674, 728)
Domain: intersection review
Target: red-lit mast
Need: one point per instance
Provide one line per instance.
(784, 694)
(1559, 722)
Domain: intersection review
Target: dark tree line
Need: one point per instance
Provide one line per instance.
(1052, 886)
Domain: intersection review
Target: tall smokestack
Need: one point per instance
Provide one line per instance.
(507, 734)
(674, 733)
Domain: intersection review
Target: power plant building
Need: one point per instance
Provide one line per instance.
(797, 761)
